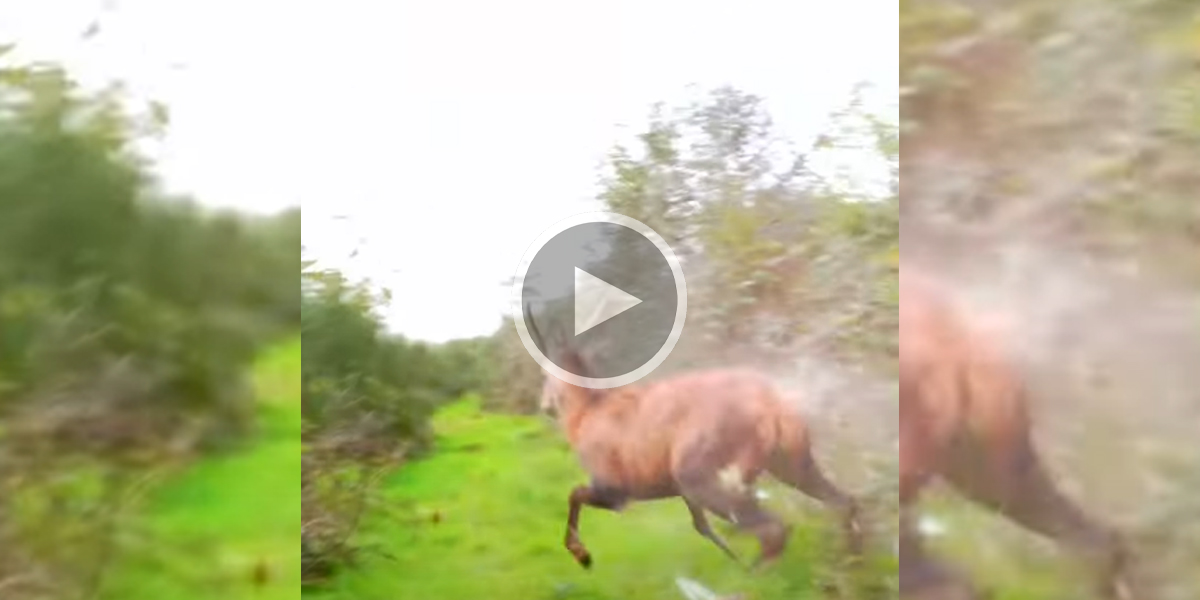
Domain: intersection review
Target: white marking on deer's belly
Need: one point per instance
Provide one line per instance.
(731, 478)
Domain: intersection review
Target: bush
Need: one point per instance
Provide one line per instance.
(113, 298)
(367, 397)
(128, 320)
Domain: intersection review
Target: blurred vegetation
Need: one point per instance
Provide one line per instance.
(129, 320)
(226, 526)
(1082, 117)
(781, 257)
(1068, 133)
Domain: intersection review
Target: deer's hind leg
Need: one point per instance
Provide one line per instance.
(799, 470)
(729, 494)
(700, 522)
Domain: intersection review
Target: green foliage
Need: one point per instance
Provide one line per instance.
(354, 374)
(103, 278)
(515, 380)
(368, 383)
(465, 366)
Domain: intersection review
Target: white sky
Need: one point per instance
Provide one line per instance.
(447, 134)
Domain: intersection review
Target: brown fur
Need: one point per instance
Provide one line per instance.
(705, 437)
(963, 417)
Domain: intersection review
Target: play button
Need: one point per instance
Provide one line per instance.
(596, 301)
(606, 286)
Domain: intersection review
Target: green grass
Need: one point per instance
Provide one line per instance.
(500, 484)
(205, 532)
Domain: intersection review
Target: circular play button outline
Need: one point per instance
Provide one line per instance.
(600, 383)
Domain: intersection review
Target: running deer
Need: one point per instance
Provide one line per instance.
(704, 437)
(963, 417)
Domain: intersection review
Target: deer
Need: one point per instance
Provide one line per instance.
(965, 418)
(704, 436)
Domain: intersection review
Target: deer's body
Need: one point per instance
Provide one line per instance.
(645, 437)
(704, 436)
(963, 417)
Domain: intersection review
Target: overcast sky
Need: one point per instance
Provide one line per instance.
(439, 138)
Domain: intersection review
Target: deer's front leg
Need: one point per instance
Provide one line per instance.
(594, 496)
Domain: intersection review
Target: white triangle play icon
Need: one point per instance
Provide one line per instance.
(597, 301)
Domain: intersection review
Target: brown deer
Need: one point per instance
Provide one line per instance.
(963, 417)
(704, 437)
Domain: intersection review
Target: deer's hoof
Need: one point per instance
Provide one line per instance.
(582, 556)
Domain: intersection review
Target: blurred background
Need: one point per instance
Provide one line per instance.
(1050, 173)
(149, 326)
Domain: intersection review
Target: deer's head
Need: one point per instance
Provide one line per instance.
(555, 392)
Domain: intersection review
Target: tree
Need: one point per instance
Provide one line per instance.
(777, 254)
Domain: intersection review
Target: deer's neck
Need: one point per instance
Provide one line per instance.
(578, 404)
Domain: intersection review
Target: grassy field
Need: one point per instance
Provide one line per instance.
(499, 485)
(227, 528)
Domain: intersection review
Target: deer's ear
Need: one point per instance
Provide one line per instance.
(574, 362)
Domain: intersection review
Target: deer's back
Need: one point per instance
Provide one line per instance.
(641, 434)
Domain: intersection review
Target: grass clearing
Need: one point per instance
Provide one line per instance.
(499, 486)
(227, 527)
